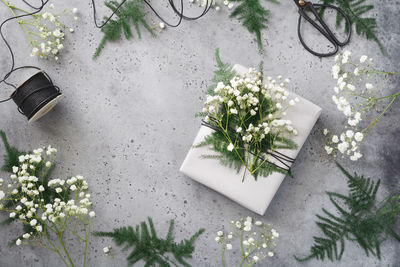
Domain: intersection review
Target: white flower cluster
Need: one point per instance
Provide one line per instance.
(108, 251)
(244, 96)
(47, 42)
(257, 239)
(349, 80)
(217, 4)
(33, 206)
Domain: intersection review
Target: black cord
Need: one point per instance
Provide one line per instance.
(12, 69)
(37, 9)
(180, 13)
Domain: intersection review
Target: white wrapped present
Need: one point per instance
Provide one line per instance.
(252, 194)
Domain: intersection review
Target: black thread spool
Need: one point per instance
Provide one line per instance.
(36, 96)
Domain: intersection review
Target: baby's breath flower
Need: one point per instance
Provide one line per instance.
(47, 33)
(352, 100)
(256, 245)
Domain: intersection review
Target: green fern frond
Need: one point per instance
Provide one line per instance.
(130, 13)
(11, 156)
(253, 16)
(355, 9)
(151, 249)
(223, 73)
(359, 217)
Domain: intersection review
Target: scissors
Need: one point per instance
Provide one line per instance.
(323, 28)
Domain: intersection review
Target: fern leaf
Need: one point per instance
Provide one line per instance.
(361, 218)
(11, 156)
(151, 249)
(130, 13)
(254, 17)
(365, 27)
(223, 73)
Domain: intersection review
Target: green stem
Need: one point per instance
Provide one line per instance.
(87, 235)
(242, 249)
(65, 249)
(372, 124)
(11, 8)
(222, 256)
(56, 249)
(229, 139)
(384, 72)
(389, 96)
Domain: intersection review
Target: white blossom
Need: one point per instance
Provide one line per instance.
(359, 136)
(363, 58)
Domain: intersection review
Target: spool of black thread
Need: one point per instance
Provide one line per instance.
(36, 96)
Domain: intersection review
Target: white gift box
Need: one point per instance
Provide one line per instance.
(252, 194)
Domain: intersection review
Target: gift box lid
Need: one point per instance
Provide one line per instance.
(252, 194)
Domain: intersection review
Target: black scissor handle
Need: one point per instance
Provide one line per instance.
(324, 30)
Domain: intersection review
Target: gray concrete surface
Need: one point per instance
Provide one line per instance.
(127, 122)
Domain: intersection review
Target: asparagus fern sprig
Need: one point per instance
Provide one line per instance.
(364, 26)
(359, 217)
(150, 248)
(131, 13)
(11, 155)
(253, 16)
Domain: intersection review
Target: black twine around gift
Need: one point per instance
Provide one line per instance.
(281, 158)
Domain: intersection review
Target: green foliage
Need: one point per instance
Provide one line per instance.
(355, 9)
(223, 73)
(150, 248)
(219, 142)
(131, 12)
(11, 156)
(359, 217)
(40, 171)
(253, 16)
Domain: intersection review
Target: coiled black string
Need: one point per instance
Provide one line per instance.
(12, 69)
(37, 9)
(180, 13)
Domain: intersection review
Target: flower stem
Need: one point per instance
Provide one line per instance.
(65, 250)
(222, 257)
(389, 96)
(372, 124)
(11, 8)
(87, 235)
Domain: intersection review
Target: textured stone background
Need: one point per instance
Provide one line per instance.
(127, 122)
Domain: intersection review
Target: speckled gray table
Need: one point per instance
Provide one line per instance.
(127, 122)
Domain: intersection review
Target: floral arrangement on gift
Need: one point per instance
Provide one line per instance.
(246, 116)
